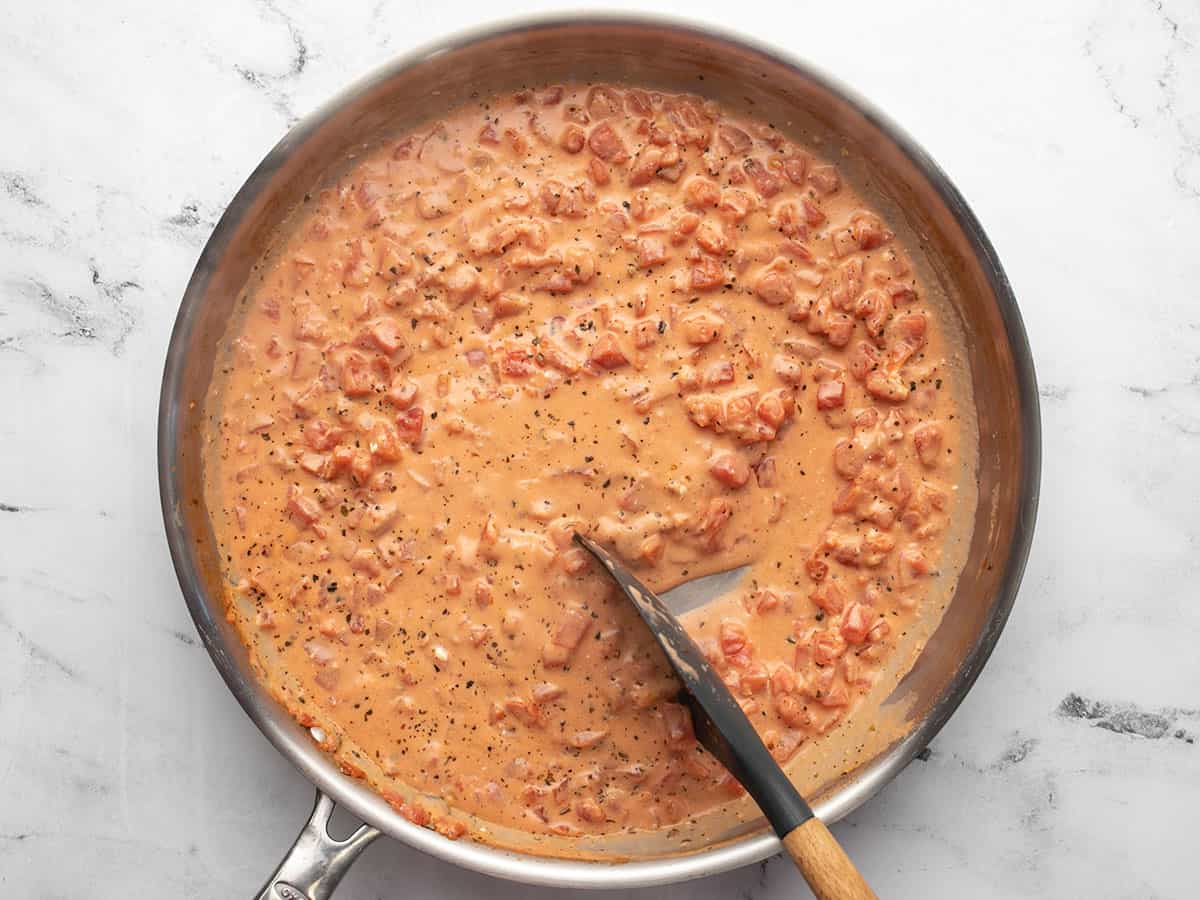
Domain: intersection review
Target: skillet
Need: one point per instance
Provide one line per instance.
(653, 51)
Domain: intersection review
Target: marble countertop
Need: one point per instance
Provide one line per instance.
(1072, 769)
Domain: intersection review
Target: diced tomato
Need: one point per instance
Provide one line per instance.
(712, 239)
(718, 372)
(341, 458)
(685, 224)
(303, 508)
(788, 218)
(585, 740)
(712, 524)
(507, 305)
(645, 333)
(553, 355)
(829, 598)
(638, 102)
(927, 439)
(816, 568)
(735, 205)
(572, 138)
(384, 442)
(651, 252)
(571, 629)
(835, 695)
(813, 216)
(887, 386)
(869, 232)
(783, 747)
(754, 678)
(402, 393)
(587, 810)
(775, 407)
(515, 363)
(385, 335)
(789, 370)
(848, 499)
(607, 352)
(831, 395)
(863, 359)
(766, 182)
(603, 102)
(651, 550)
(703, 410)
(606, 143)
(707, 273)
(783, 679)
(827, 647)
(484, 593)
(418, 815)
(849, 457)
(875, 309)
(731, 469)
(896, 487)
(677, 720)
(796, 169)
(524, 711)
(320, 435)
(645, 164)
(791, 711)
(825, 179)
(775, 287)
(361, 467)
(701, 328)
(598, 172)
(516, 141)
(734, 138)
(856, 623)
(558, 283)
(355, 377)
(766, 472)
(411, 424)
(732, 636)
(701, 193)
(451, 829)
(914, 563)
(838, 328)
(900, 293)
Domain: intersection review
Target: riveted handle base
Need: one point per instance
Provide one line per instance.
(315, 864)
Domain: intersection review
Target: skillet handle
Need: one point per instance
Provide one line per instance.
(316, 862)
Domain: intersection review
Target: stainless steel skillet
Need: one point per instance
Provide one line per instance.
(641, 50)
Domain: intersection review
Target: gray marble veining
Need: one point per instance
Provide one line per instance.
(1074, 130)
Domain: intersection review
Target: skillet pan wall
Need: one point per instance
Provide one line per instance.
(671, 55)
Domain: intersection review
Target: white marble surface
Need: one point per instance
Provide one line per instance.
(126, 769)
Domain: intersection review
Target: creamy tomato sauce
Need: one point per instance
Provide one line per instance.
(582, 308)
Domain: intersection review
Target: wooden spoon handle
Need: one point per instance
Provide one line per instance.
(824, 864)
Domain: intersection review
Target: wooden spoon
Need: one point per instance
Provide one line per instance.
(727, 734)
